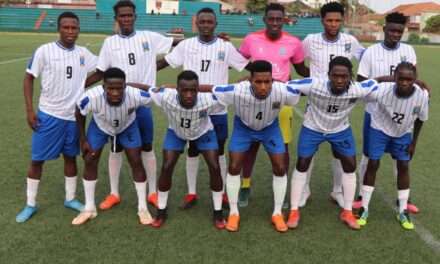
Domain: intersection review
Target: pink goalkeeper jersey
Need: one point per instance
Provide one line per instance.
(281, 52)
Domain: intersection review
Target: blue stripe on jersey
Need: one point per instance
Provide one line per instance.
(292, 90)
(223, 89)
(84, 102)
(367, 84)
(31, 60)
(301, 81)
(214, 97)
(375, 88)
(145, 94)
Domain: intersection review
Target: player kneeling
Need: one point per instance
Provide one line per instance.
(188, 113)
(114, 115)
(401, 106)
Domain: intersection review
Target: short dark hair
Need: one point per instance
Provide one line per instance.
(114, 73)
(187, 76)
(66, 15)
(274, 7)
(397, 18)
(341, 61)
(332, 7)
(406, 65)
(260, 66)
(123, 3)
(206, 10)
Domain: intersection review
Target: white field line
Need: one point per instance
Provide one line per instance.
(424, 233)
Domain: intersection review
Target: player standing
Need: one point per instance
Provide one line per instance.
(188, 113)
(320, 48)
(381, 59)
(281, 49)
(135, 53)
(257, 104)
(401, 108)
(210, 58)
(114, 116)
(63, 67)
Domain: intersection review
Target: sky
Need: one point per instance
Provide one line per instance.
(382, 6)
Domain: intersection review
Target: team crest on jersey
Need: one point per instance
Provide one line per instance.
(145, 46)
(82, 60)
(130, 110)
(352, 101)
(203, 114)
(221, 56)
(276, 105)
(416, 110)
(282, 51)
(348, 47)
(403, 58)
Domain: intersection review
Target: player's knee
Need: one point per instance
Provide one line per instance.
(302, 165)
(147, 147)
(349, 167)
(116, 149)
(221, 148)
(279, 169)
(234, 168)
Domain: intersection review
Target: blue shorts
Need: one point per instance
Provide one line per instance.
(54, 136)
(366, 133)
(220, 123)
(381, 143)
(129, 138)
(243, 136)
(144, 119)
(341, 142)
(207, 141)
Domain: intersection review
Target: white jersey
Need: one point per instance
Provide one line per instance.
(327, 112)
(211, 61)
(135, 55)
(378, 60)
(187, 123)
(255, 113)
(321, 51)
(113, 119)
(395, 115)
(63, 74)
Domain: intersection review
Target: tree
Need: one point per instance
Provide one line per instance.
(256, 6)
(433, 24)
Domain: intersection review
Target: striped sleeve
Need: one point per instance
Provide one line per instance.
(157, 95)
(423, 115)
(369, 90)
(104, 56)
(161, 43)
(176, 57)
(302, 85)
(357, 49)
(364, 68)
(84, 105)
(224, 93)
(292, 95)
(91, 60)
(235, 59)
(36, 63)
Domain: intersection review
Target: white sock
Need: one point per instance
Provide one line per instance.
(367, 192)
(298, 182)
(31, 191)
(361, 172)
(306, 188)
(403, 196)
(349, 189)
(162, 199)
(141, 190)
(89, 192)
(70, 187)
(233, 189)
(222, 162)
(192, 167)
(279, 186)
(337, 175)
(149, 162)
(114, 169)
(217, 200)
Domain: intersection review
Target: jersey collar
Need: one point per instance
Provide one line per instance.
(128, 36)
(62, 47)
(207, 43)
(386, 48)
(330, 41)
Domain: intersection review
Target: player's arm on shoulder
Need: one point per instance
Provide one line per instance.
(141, 86)
(293, 95)
(161, 64)
(369, 89)
(424, 86)
(93, 78)
(304, 86)
(224, 93)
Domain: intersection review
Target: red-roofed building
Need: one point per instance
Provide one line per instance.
(418, 13)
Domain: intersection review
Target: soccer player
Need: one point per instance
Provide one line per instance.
(210, 58)
(401, 106)
(114, 116)
(257, 104)
(320, 48)
(330, 102)
(281, 49)
(135, 53)
(63, 67)
(188, 120)
(381, 59)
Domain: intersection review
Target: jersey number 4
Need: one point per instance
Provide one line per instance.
(259, 116)
(397, 117)
(205, 65)
(131, 59)
(185, 123)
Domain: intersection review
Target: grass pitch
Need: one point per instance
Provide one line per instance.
(189, 236)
